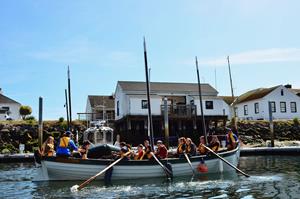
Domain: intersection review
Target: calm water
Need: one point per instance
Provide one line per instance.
(271, 177)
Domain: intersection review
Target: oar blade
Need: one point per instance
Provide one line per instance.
(74, 188)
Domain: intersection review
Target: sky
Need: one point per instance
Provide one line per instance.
(102, 42)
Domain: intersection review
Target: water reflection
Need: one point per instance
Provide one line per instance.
(271, 177)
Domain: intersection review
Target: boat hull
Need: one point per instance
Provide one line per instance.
(56, 168)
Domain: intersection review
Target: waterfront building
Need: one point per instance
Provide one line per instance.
(9, 108)
(99, 107)
(184, 115)
(253, 105)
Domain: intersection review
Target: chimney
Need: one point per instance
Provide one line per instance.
(288, 86)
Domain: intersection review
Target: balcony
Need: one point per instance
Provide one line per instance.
(179, 111)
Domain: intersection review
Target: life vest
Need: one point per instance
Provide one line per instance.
(215, 146)
(140, 155)
(202, 149)
(64, 142)
(180, 148)
(50, 150)
(231, 138)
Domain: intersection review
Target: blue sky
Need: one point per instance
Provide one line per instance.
(101, 41)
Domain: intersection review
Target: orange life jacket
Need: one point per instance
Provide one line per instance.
(64, 142)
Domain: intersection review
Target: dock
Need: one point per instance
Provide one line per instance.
(10, 158)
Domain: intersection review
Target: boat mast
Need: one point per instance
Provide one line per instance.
(201, 106)
(69, 89)
(67, 109)
(148, 97)
(232, 95)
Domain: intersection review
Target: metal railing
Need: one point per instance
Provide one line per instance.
(180, 110)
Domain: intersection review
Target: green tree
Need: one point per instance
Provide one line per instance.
(24, 111)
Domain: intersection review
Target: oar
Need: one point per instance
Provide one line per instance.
(189, 161)
(79, 187)
(226, 161)
(166, 170)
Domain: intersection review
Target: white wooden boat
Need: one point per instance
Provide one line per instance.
(56, 168)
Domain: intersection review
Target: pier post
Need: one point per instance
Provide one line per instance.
(166, 122)
(271, 124)
(40, 141)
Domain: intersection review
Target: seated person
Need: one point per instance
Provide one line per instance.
(124, 149)
(181, 147)
(47, 148)
(65, 144)
(231, 140)
(214, 144)
(190, 147)
(162, 151)
(140, 153)
(202, 150)
(83, 150)
(148, 150)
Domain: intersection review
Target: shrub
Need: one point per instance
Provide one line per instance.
(61, 119)
(296, 121)
(30, 118)
(24, 111)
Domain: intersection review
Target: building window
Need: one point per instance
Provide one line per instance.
(245, 109)
(118, 111)
(282, 92)
(282, 107)
(293, 107)
(256, 108)
(209, 104)
(273, 107)
(144, 104)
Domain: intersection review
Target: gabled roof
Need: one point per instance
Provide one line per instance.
(255, 94)
(228, 99)
(164, 87)
(97, 100)
(7, 100)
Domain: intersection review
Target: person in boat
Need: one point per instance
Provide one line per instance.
(83, 150)
(65, 145)
(190, 147)
(47, 148)
(231, 140)
(161, 151)
(202, 150)
(215, 143)
(181, 147)
(140, 153)
(124, 149)
(148, 150)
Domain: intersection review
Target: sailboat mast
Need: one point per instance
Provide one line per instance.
(148, 97)
(69, 89)
(201, 106)
(233, 107)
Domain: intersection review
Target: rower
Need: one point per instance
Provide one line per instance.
(140, 153)
(202, 150)
(181, 147)
(48, 147)
(215, 143)
(162, 151)
(190, 147)
(231, 139)
(65, 144)
(148, 150)
(83, 150)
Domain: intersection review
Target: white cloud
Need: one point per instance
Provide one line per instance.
(256, 56)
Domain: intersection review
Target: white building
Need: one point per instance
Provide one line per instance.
(99, 107)
(9, 108)
(183, 107)
(254, 105)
